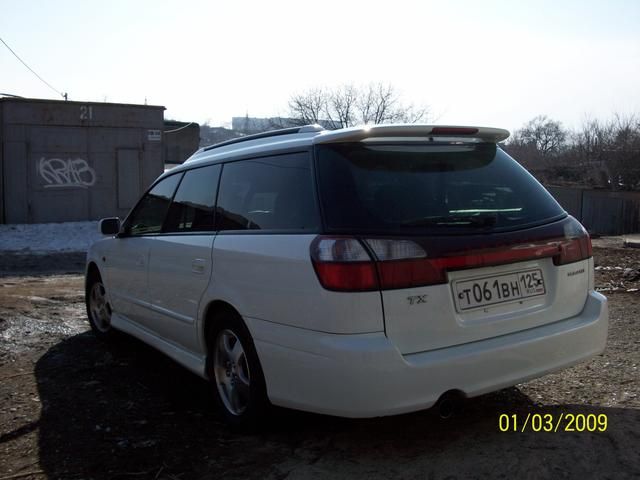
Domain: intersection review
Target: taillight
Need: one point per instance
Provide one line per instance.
(403, 264)
(349, 264)
(343, 264)
(576, 246)
(410, 273)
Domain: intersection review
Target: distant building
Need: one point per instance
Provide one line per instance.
(181, 139)
(248, 125)
(212, 135)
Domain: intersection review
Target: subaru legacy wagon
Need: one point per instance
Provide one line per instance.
(358, 272)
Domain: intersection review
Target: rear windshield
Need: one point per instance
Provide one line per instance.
(435, 188)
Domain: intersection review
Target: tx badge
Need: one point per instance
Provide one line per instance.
(416, 299)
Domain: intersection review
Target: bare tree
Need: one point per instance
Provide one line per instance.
(619, 150)
(587, 153)
(380, 103)
(538, 146)
(546, 135)
(600, 153)
(350, 105)
(607, 153)
(377, 104)
(308, 107)
(342, 105)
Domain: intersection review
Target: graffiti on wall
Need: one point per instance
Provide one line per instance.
(72, 172)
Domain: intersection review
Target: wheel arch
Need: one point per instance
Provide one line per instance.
(92, 272)
(223, 310)
(212, 310)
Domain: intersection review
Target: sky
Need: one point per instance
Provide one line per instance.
(470, 62)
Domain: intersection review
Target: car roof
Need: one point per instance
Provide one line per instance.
(308, 135)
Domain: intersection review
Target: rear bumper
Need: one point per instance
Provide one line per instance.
(365, 376)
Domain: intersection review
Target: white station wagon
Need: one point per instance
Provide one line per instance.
(358, 272)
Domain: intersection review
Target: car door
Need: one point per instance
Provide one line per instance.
(127, 261)
(180, 258)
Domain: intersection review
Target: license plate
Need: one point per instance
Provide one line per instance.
(482, 292)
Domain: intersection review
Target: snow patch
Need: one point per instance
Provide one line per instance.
(44, 238)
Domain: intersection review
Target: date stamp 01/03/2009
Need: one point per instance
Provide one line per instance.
(548, 422)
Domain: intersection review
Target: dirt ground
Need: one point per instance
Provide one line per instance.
(72, 407)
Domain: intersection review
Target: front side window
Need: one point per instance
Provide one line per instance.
(193, 205)
(149, 214)
(268, 193)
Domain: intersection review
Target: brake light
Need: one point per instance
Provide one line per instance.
(454, 131)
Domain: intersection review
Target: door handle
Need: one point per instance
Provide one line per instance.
(198, 265)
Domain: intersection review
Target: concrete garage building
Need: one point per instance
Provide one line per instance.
(70, 161)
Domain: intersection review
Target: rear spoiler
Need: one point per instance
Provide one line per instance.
(358, 134)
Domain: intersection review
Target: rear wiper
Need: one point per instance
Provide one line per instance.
(481, 221)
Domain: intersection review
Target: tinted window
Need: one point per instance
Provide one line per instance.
(267, 193)
(408, 188)
(149, 214)
(193, 204)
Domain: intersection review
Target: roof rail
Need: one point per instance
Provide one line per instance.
(271, 133)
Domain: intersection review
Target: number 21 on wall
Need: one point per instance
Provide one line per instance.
(86, 112)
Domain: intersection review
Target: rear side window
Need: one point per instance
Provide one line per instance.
(268, 193)
(148, 215)
(428, 188)
(193, 205)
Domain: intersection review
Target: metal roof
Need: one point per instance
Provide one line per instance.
(15, 99)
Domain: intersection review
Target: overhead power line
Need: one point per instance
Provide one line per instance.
(63, 95)
(181, 128)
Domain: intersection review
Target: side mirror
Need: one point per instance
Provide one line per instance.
(110, 226)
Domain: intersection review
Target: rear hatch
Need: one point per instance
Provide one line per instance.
(462, 243)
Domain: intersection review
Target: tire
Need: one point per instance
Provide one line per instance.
(235, 373)
(98, 308)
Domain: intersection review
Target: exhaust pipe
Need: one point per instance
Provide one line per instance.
(449, 404)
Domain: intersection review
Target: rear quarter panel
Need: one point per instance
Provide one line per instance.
(270, 277)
